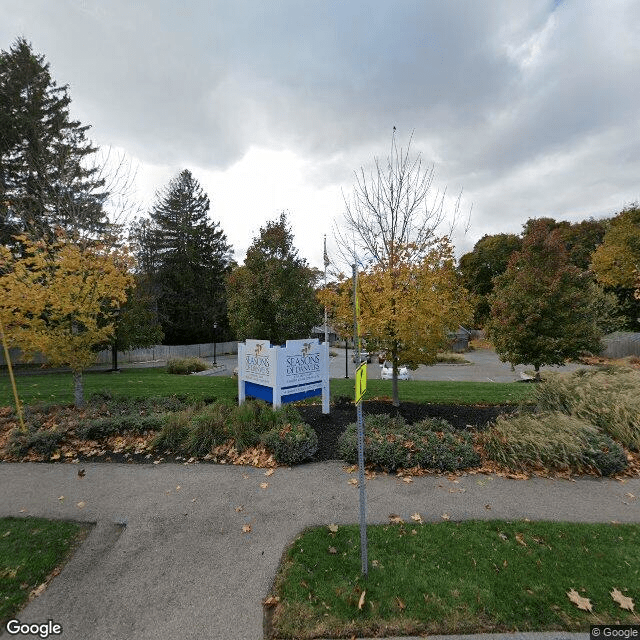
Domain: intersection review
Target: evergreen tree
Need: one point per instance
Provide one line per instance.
(186, 257)
(272, 297)
(45, 180)
(543, 309)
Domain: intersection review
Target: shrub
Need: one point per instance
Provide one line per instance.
(132, 423)
(393, 444)
(553, 440)
(41, 441)
(608, 398)
(184, 366)
(291, 444)
(208, 429)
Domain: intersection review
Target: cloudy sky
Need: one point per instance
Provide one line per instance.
(532, 107)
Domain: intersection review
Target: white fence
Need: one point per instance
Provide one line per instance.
(158, 353)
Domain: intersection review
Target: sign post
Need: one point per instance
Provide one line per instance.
(360, 389)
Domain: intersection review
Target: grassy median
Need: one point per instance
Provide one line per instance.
(457, 577)
(31, 550)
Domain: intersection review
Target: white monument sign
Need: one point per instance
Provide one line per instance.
(298, 370)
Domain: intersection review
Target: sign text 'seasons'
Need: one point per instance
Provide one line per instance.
(258, 364)
(299, 364)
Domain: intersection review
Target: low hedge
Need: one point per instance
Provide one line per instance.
(393, 444)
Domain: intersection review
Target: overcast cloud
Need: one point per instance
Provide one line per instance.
(531, 107)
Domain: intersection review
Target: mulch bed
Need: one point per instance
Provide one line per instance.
(330, 427)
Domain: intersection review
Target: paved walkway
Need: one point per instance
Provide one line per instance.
(167, 558)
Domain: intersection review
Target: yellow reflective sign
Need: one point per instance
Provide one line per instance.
(361, 381)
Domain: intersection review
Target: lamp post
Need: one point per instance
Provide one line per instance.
(215, 326)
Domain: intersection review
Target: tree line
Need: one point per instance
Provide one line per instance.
(75, 277)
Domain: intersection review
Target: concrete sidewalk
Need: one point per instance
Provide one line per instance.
(167, 558)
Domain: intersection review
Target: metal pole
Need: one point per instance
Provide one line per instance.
(361, 479)
(13, 380)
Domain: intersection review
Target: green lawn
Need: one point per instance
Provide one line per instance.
(456, 577)
(58, 388)
(30, 549)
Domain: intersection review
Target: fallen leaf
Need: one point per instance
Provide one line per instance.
(414, 532)
(6, 533)
(503, 536)
(395, 518)
(61, 498)
(81, 505)
(629, 495)
(333, 528)
(239, 508)
(38, 590)
(361, 601)
(264, 485)
(445, 516)
(408, 479)
(487, 507)
(246, 528)
(81, 473)
(417, 517)
(520, 539)
(623, 601)
(579, 601)
(375, 563)
(271, 601)
(178, 488)
(401, 604)
(333, 551)
(55, 456)
(268, 473)
(353, 481)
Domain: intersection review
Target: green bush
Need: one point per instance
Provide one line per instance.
(552, 440)
(41, 441)
(184, 366)
(393, 444)
(607, 398)
(291, 444)
(124, 405)
(132, 423)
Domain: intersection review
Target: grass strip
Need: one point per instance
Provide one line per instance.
(456, 577)
(57, 388)
(30, 550)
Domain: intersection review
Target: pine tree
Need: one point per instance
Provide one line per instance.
(272, 296)
(188, 256)
(45, 180)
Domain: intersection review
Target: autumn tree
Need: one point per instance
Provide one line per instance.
(390, 225)
(272, 296)
(185, 257)
(59, 298)
(47, 179)
(407, 310)
(543, 309)
(617, 259)
(488, 259)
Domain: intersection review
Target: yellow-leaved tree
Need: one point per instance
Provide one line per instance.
(408, 307)
(410, 294)
(60, 298)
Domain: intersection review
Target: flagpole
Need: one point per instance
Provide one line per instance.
(326, 262)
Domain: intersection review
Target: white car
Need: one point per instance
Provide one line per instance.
(386, 372)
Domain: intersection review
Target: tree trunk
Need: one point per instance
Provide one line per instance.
(394, 381)
(114, 355)
(538, 373)
(78, 389)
